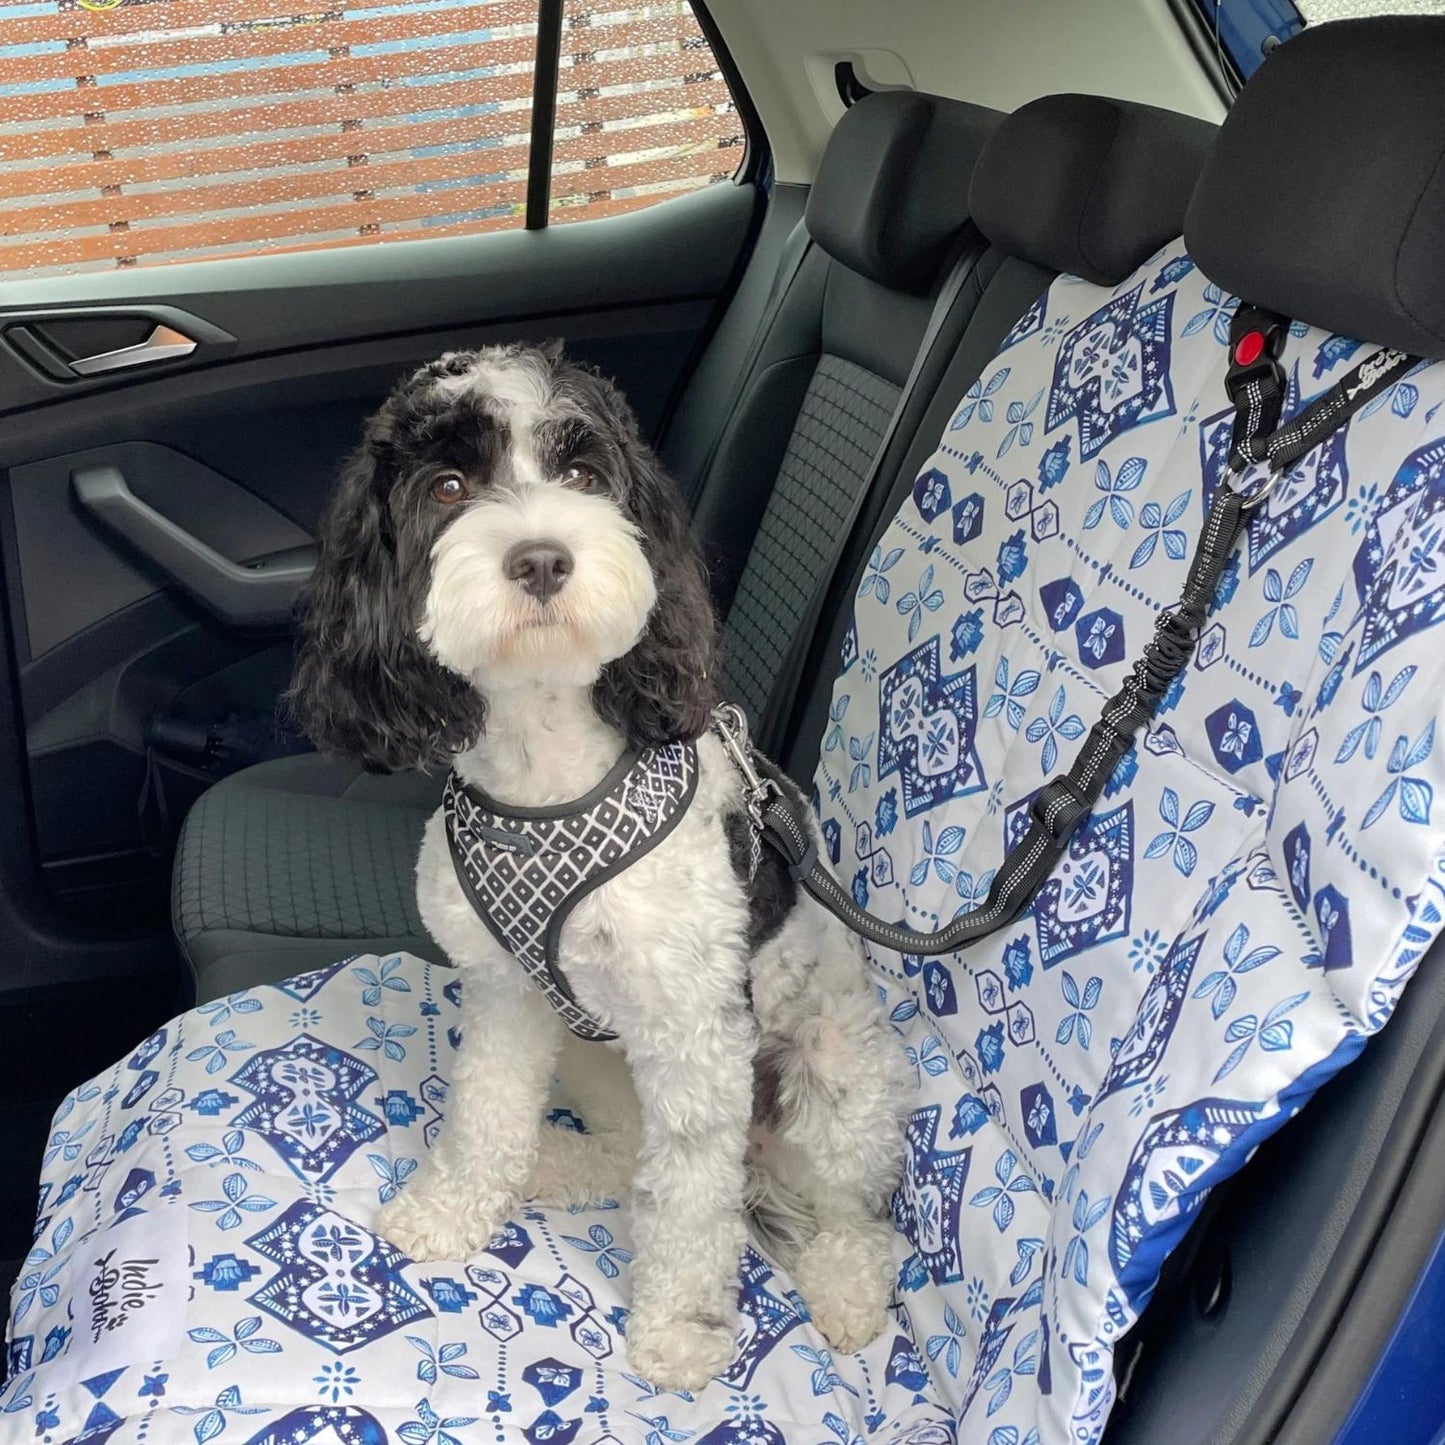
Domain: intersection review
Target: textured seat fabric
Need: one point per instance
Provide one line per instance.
(844, 415)
(297, 861)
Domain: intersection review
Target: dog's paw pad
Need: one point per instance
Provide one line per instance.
(844, 1280)
(679, 1354)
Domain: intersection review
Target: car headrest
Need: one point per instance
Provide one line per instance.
(891, 192)
(1325, 197)
(1086, 185)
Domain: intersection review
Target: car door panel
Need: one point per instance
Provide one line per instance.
(682, 249)
(119, 649)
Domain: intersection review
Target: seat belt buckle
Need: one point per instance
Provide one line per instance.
(1255, 343)
(1058, 808)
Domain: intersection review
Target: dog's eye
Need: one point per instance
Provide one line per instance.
(448, 488)
(578, 477)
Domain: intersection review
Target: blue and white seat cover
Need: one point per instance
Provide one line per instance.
(1239, 915)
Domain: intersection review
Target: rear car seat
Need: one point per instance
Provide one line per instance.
(991, 1341)
(289, 864)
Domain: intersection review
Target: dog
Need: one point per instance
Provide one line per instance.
(507, 587)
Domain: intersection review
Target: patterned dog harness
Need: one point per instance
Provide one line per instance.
(525, 869)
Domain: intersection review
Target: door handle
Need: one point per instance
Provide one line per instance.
(260, 593)
(164, 343)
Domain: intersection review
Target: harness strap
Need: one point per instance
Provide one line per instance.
(1256, 385)
(525, 869)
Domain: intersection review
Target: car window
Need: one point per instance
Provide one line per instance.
(1244, 30)
(643, 111)
(136, 132)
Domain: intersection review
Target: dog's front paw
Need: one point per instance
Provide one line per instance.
(843, 1276)
(425, 1229)
(678, 1353)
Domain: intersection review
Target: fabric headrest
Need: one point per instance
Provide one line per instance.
(1088, 186)
(1325, 198)
(891, 191)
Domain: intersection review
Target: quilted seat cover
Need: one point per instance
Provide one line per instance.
(1242, 909)
(1240, 913)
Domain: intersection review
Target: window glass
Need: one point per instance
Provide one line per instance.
(134, 132)
(1245, 29)
(643, 111)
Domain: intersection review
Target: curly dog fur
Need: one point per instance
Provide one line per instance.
(507, 587)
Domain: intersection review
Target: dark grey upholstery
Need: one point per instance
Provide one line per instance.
(877, 246)
(893, 183)
(1086, 185)
(292, 864)
(840, 425)
(1325, 200)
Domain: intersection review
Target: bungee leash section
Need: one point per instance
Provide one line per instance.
(1261, 451)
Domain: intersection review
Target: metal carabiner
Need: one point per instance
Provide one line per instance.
(731, 725)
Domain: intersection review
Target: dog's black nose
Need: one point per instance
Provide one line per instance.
(541, 567)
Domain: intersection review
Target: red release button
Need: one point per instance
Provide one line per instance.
(1250, 348)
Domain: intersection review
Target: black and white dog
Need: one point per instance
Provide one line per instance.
(507, 587)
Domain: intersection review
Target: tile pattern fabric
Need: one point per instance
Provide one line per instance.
(298, 865)
(833, 446)
(205, 1268)
(1245, 904)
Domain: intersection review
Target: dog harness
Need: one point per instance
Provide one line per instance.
(525, 869)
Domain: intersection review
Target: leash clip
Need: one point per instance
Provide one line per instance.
(731, 725)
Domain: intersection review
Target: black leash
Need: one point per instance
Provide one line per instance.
(1256, 384)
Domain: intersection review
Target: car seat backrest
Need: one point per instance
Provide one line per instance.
(1062, 172)
(1243, 908)
(888, 211)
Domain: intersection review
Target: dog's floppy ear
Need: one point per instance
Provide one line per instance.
(364, 685)
(664, 689)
